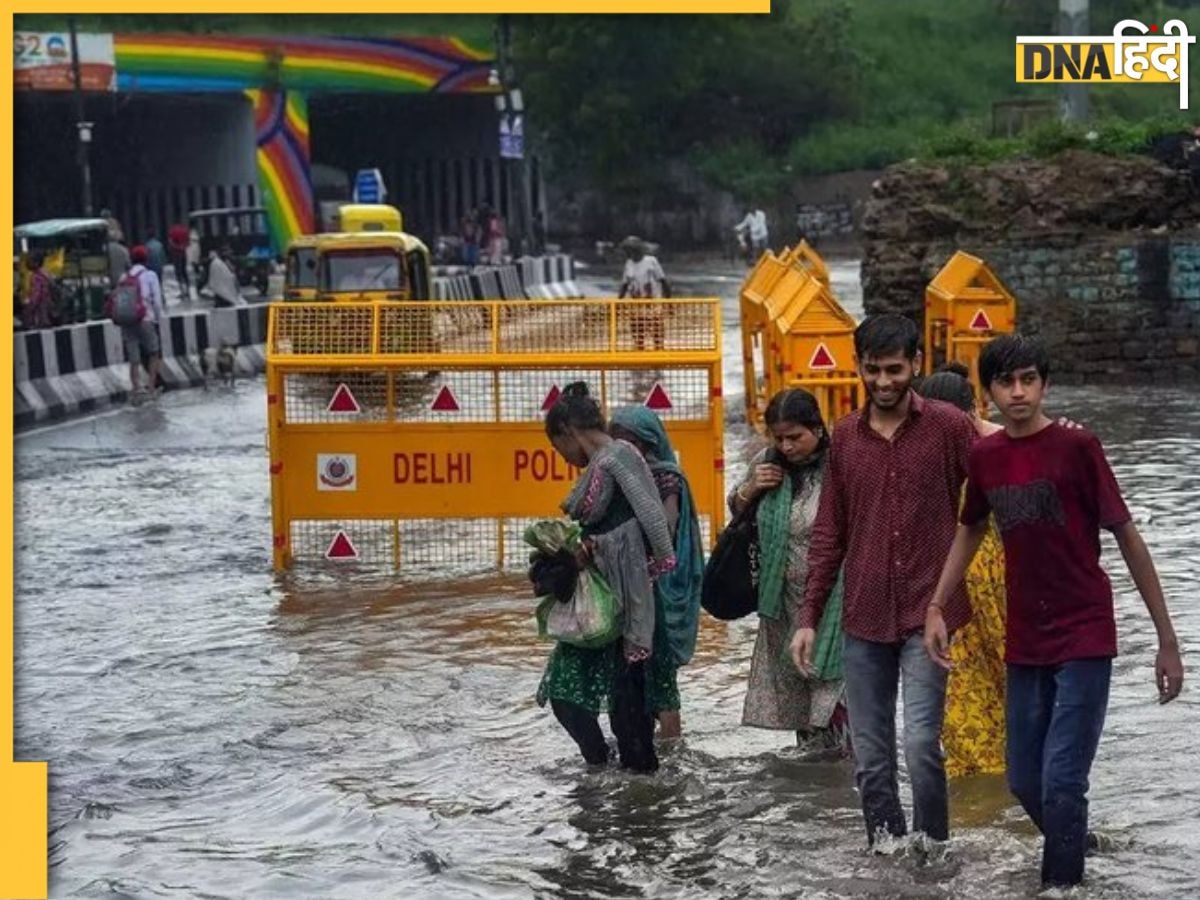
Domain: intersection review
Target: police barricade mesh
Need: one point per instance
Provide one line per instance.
(418, 442)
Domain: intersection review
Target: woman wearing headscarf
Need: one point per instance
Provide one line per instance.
(676, 593)
(973, 729)
(785, 482)
(625, 535)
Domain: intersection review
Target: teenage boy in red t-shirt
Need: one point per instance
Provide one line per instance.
(1051, 491)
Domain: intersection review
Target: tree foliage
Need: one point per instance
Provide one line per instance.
(617, 95)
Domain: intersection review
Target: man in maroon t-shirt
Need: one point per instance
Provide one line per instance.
(1051, 490)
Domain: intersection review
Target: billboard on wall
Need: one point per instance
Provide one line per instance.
(42, 61)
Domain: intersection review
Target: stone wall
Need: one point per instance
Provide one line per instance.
(1103, 256)
(1109, 309)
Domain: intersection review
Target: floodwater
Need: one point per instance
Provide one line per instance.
(215, 732)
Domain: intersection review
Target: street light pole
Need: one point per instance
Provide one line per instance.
(511, 109)
(1073, 22)
(84, 127)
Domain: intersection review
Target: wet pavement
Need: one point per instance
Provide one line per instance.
(213, 731)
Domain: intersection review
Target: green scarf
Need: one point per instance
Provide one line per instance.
(827, 648)
(774, 520)
(774, 527)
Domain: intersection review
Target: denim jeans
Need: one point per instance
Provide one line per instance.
(1054, 718)
(873, 673)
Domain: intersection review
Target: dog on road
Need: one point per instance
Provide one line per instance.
(219, 363)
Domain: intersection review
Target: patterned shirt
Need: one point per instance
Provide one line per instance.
(889, 509)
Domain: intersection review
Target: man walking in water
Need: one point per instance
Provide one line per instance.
(888, 509)
(1051, 491)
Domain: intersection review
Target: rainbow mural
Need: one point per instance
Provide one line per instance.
(281, 139)
(187, 62)
(276, 73)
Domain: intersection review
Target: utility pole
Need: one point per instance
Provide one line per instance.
(1073, 22)
(84, 127)
(510, 105)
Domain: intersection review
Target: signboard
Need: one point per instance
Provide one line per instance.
(42, 61)
(512, 137)
(369, 186)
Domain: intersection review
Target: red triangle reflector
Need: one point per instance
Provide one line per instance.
(551, 398)
(445, 401)
(658, 398)
(343, 401)
(822, 358)
(980, 321)
(341, 547)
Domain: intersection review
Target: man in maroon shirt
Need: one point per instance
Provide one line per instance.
(1051, 491)
(888, 509)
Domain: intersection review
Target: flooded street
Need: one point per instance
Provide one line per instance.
(213, 731)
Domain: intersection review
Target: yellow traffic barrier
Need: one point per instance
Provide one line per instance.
(805, 256)
(795, 333)
(966, 305)
(759, 285)
(409, 435)
(815, 337)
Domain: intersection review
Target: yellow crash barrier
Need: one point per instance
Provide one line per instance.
(409, 435)
(806, 257)
(966, 305)
(795, 333)
(815, 337)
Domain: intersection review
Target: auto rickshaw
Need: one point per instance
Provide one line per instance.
(76, 256)
(365, 266)
(300, 275)
(381, 265)
(244, 230)
(356, 217)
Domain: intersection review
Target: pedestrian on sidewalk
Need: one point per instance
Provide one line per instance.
(177, 248)
(39, 300)
(118, 260)
(156, 256)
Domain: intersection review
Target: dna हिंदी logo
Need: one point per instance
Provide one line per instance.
(1134, 53)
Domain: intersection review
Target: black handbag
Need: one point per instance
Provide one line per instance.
(730, 588)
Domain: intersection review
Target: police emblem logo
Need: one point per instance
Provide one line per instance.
(336, 472)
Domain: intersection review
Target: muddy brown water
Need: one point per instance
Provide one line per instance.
(213, 731)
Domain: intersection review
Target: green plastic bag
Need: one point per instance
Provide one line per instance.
(591, 618)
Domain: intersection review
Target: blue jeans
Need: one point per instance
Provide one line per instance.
(1054, 718)
(873, 673)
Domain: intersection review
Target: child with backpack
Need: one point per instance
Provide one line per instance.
(136, 305)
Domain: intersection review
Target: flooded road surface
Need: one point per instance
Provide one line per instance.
(215, 732)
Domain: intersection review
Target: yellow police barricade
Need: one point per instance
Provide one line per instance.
(754, 320)
(426, 451)
(784, 292)
(966, 305)
(816, 340)
(806, 257)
